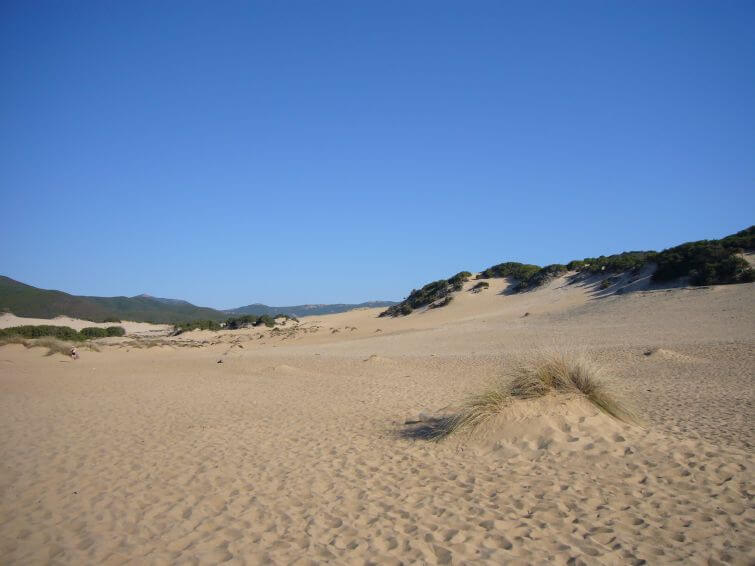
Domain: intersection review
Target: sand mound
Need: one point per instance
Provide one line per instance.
(553, 424)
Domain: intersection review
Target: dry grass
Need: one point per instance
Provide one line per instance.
(53, 345)
(536, 377)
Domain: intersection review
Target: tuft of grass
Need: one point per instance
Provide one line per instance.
(542, 375)
(53, 345)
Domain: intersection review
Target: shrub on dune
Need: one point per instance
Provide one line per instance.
(93, 332)
(555, 374)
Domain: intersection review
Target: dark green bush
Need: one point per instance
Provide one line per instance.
(115, 331)
(707, 262)
(616, 263)
(428, 294)
(744, 240)
(42, 330)
(541, 276)
(513, 269)
(93, 332)
(265, 319)
(112, 319)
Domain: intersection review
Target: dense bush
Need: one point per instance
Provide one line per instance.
(513, 269)
(265, 319)
(707, 262)
(528, 276)
(541, 276)
(616, 263)
(115, 331)
(93, 332)
(234, 323)
(42, 330)
(428, 294)
(744, 240)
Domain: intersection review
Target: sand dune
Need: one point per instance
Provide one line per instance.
(294, 449)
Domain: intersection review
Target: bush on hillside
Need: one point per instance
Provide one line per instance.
(115, 331)
(93, 332)
(265, 319)
(42, 330)
(513, 269)
(112, 319)
(428, 294)
(743, 240)
(541, 276)
(616, 263)
(244, 321)
(707, 262)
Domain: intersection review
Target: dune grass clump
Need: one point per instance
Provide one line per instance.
(543, 375)
(53, 345)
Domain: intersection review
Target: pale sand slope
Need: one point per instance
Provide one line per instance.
(290, 451)
(8, 320)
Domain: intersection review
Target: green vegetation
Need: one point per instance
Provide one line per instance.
(59, 332)
(232, 323)
(542, 276)
(429, 294)
(513, 269)
(707, 262)
(616, 263)
(93, 332)
(43, 330)
(28, 301)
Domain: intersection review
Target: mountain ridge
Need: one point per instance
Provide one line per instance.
(26, 300)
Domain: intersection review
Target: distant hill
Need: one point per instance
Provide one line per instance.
(307, 310)
(25, 300)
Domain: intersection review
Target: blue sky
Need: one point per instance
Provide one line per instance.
(312, 152)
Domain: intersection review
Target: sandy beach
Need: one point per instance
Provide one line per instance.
(289, 446)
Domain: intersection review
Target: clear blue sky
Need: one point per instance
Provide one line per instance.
(299, 152)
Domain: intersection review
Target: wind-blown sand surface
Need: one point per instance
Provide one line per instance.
(291, 450)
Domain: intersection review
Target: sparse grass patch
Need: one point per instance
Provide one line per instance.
(542, 375)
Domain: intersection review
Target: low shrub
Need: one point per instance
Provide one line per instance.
(513, 269)
(93, 332)
(115, 331)
(428, 294)
(43, 330)
(112, 319)
(707, 262)
(543, 374)
(479, 286)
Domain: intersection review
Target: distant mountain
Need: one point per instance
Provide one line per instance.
(25, 300)
(307, 310)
